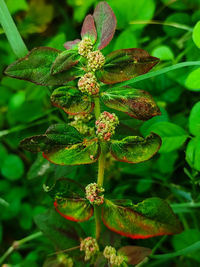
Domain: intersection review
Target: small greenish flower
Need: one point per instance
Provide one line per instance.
(80, 123)
(65, 260)
(85, 47)
(96, 60)
(106, 125)
(90, 246)
(88, 84)
(111, 254)
(94, 194)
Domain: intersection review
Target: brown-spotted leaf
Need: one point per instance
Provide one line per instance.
(88, 28)
(71, 100)
(82, 153)
(78, 210)
(134, 254)
(125, 64)
(72, 44)
(136, 103)
(36, 68)
(105, 21)
(135, 149)
(65, 61)
(152, 217)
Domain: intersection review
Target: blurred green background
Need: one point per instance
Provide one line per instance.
(162, 27)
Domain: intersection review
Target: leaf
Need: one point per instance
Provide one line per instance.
(196, 34)
(136, 103)
(67, 188)
(64, 61)
(194, 119)
(39, 168)
(105, 21)
(172, 135)
(152, 217)
(12, 167)
(193, 80)
(35, 67)
(163, 52)
(125, 64)
(135, 149)
(71, 44)
(77, 210)
(71, 100)
(57, 136)
(88, 28)
(193, 153)
(83, 153)
(63, 234)
(134, 254)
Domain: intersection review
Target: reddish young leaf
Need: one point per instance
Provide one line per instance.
(88, 28)
(71, 44)
(152, 217)
(105, 21)
(136, 103)
(125, 64)
(77, 210)
(71, 100)
(134, 254)
(36, 66)
(135, 149)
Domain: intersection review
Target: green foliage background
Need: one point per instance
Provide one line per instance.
(165, 29)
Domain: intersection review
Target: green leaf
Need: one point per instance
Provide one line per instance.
(193, 153)
(67, 188)
(126, 39)
(36, 66)
(194, 119)
(136, 103)
(193, 80)
(83, 153)
(88, 28)
(196, 34)
(125, 64)
(71, 100)
(134, 254)
(163, 52)
(77, 210)
(135, 149)
(13, 167)
(152, 217)
(105, 21)
(172, 135)
(57, 136)
(65, 61)
(63, 234)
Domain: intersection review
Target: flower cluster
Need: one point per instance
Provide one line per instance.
(89, 246)
(80, 123)
(66, 261)
(94, 194)
(85, 47)
(96, 60)
(114, 259)
(106, 125)
(88, 84)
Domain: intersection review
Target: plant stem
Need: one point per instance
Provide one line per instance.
(14, 38)
(101, 168)
(17, 244)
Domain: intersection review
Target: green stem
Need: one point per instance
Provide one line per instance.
(17, 244)
(14, 38)
(101, 168)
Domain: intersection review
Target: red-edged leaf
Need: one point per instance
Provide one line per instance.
(105, 21)
(65, 61)
(152, 217)
(134, 254)
(36, 68)
(71, 100)
(78, 210)
(125, 64)
(83, 153)
(88, 28)
(71, 44)
(135, 149)
(136, 103)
